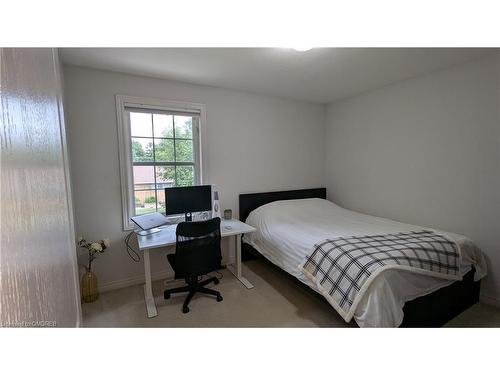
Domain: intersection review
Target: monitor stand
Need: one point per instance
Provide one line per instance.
(188, 216)
(148, 232)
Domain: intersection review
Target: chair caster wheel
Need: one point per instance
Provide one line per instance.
(185, 309)
(216, 281)
(219, 298)
(166, 295)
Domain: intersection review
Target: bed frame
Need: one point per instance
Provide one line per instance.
(432, 310)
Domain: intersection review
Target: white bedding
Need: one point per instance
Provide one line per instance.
(287, 231)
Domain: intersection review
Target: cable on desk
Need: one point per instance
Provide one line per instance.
(132, 253)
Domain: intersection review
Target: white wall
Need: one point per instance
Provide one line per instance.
(425, 151)
(254, 143)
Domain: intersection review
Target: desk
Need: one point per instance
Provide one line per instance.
(229, 228)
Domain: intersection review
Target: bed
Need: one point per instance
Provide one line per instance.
(290, 223)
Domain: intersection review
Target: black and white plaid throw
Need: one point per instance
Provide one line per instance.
(343, 267)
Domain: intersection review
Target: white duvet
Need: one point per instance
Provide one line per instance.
(287, 231)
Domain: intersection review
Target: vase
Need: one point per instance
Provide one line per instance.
(89, 287)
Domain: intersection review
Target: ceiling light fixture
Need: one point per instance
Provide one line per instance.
(302, 48)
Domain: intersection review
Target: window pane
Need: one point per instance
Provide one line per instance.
(183, 126)
(185, 176)
(160, 195)
(145, 202)
(140, 124)
(165, 177)
(164, 149)
(163, 126)
(144, 178)
(142, 149)
(165, 139)
(183, 150)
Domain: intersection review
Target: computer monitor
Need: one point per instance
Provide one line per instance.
(188, 199)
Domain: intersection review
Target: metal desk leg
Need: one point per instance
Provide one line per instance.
(236, 269)
(148, 288)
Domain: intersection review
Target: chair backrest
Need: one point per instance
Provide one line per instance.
(197, 249)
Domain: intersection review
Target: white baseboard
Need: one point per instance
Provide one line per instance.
(488, 300)
(136, 280)
(228, 257)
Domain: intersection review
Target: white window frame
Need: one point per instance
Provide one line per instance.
(125, 143)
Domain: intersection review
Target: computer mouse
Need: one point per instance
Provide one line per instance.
(228, 227)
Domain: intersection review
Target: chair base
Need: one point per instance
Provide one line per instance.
(194, 287)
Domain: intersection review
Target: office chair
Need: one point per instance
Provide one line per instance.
(197, 253)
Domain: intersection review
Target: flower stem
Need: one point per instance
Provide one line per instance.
(90, 261)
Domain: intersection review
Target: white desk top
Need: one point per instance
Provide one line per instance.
(167, 235)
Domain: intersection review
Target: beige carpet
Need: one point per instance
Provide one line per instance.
(276, 301)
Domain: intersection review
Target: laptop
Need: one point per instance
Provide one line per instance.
(149, 221)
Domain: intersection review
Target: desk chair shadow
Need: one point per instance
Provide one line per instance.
(197, 253)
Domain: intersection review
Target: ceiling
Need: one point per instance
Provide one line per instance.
(320, 75)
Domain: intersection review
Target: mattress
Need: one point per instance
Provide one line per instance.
(287, 231)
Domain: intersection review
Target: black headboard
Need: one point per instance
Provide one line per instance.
(249, 202)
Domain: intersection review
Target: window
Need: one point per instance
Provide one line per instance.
(159, 148)
(162, 156)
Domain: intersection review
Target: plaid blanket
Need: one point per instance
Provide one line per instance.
(343, 268)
